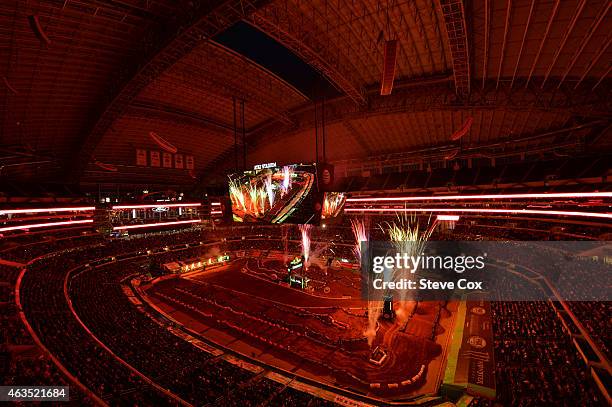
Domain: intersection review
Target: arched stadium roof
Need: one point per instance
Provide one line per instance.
(87, 81)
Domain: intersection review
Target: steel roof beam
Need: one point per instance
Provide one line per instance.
(215, 84)
(439, 98)
(585, 40)
(487, 30)
(518, 59)
(171, 114)
(456, 29)
(359, 138)
(603, 76)
(549, 24)
(161, 50)
(602, 49)
(566, 36)
(585, 104)
(488, 149)
(503, 49)
(279, 21)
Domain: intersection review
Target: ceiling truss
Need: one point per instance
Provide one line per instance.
(200, 23)
(592, 107)
(280, 21)
(456, 28)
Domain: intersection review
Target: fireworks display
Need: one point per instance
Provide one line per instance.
(276, 195)
(236, 194)
(253, 195)
(333, 204)
(252, 198)
(258, 194)
(286, 183)
(361, 232)
(305, 231)
(269, 187)
(408, 236)
(361, 235)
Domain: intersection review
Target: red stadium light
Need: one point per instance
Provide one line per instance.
(486, 210)
(150, 225)
(46, 210)
(44, 225)
(574, 195)
(161, 204)
(448, 217)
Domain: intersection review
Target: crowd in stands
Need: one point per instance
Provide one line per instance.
(24, 252)
(38, 370)
(21, 361)
(46, 309)
(200, 380)
(171, 362)
(596, 317)
(537, 363)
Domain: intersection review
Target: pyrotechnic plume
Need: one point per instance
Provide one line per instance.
(332, 203)
(253, 198)
(286, 184)
(305, 230)
(361, 232)
(263, 198)
(236, 194)
(361, 235)
(316, 252)
(408, 237)
(374, 311)
(270, 189)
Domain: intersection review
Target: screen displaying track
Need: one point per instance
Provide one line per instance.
(287, 194)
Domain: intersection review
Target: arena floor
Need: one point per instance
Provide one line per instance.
(316, 334)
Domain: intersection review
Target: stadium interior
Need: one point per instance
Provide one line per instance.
(192, 193)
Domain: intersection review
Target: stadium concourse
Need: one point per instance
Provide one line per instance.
(236, 202)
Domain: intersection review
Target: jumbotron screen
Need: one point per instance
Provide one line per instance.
(333, 204)
(276, 194)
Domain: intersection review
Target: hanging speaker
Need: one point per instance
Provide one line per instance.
(386, 84)
(325, 177)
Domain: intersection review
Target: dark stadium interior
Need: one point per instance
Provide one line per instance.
(191, 193)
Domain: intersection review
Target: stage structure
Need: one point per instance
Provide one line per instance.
(297, 279)
(183, 266)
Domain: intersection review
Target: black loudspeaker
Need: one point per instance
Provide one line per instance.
(325, 177)
(386, 84)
